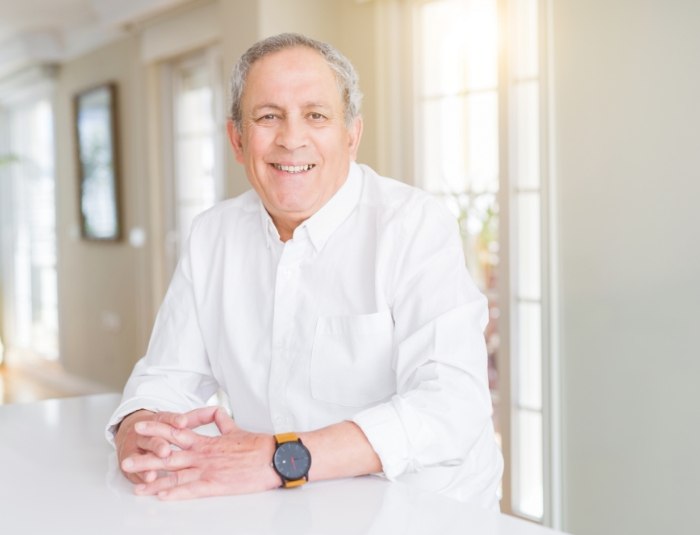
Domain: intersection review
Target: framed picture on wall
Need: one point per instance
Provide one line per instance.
(98, 165)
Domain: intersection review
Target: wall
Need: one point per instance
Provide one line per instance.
(627, 164)
(103, 324)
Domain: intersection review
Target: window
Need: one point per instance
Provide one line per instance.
(194, 120)
(27, 186)
(477, 96)
(525, 200)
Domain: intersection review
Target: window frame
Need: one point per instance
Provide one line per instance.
(210, 57)
(398, 128)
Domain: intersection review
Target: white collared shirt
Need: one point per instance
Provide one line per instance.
(367, 314)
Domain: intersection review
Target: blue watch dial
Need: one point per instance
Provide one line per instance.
(292, 460)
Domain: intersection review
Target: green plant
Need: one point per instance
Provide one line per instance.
(7, 159)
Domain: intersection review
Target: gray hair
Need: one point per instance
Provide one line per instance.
(345, 74)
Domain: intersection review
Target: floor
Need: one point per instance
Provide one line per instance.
(19, 386)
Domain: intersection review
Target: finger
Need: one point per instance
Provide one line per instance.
(167, 482)
(134, 478)
(138, 478)
(196, 489)
(155, 445)
(177, 460)
(224, 422)
(149, 476)
(202, 416)
(174, 419)
(182, 438)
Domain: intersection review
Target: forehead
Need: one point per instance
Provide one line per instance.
(299, 71)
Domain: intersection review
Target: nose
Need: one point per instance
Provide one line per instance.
(291, 134)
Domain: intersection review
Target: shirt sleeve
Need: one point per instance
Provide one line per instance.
(175, 374)
(442, 406)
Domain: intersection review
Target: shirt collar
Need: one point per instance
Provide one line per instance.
(325, 221)
(269, 228)
(328, 218)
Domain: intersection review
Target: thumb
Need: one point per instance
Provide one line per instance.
(224, 422)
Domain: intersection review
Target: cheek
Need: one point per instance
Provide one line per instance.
(258, 146)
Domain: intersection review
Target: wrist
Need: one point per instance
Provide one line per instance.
(269, 475)
(127, 423)
(291, 460)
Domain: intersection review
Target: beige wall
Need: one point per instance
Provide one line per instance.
(101, 310)
(627, 162)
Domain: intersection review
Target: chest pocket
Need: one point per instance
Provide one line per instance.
(351, 359)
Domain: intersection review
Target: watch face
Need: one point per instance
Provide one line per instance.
(292, 460)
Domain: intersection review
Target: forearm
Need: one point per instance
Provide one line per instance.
(340, 450)
(436, 425)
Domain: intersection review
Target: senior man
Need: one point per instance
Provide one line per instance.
(330, 304)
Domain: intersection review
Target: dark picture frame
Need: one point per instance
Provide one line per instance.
(95, 112)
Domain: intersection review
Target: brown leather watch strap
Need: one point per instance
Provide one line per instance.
(286, 437)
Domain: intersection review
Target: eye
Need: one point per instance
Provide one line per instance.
(315, 116)
(267, 118)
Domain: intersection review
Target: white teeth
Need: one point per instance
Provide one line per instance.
(294, 168)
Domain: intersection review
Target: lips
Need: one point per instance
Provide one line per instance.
(294, 168)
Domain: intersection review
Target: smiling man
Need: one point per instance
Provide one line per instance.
(330, 304)
(291, 134)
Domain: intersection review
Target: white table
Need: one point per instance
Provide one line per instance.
(58, 475)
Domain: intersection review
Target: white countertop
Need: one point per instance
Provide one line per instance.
(58, 475)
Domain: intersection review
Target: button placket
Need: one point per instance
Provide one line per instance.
(286, 288)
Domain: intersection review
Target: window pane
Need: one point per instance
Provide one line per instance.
(195, 108)
(195, 171)
(197, 137)
(527, 265)
(482, 142)
(525, 28)
(460, 46)
(528, 489)
(460, 137)
(526, 123)
(528, 362)
(31, 276)
(445, 157)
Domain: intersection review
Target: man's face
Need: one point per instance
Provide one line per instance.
(294, 143)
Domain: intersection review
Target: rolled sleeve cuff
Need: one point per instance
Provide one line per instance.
(387, 436)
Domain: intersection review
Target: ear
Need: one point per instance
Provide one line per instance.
(234, 137)
(354, 136)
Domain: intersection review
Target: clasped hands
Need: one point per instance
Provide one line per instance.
(163, 456)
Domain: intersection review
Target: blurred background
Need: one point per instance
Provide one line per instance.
(561, 133)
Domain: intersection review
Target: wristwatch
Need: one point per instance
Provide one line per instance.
(291, 460)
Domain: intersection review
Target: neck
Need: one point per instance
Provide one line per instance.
(285, 228)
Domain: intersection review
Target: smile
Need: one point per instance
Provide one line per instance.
(294, 168)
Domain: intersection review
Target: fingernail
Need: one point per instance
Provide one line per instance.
(140, 426)
(127, 464)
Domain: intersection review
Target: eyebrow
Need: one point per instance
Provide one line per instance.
(306, 105)
(260, 107)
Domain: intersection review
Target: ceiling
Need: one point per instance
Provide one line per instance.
(52, 31)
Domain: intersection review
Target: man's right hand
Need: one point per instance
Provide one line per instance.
(128, 442)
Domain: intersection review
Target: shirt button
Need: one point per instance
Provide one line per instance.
(281, 420)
